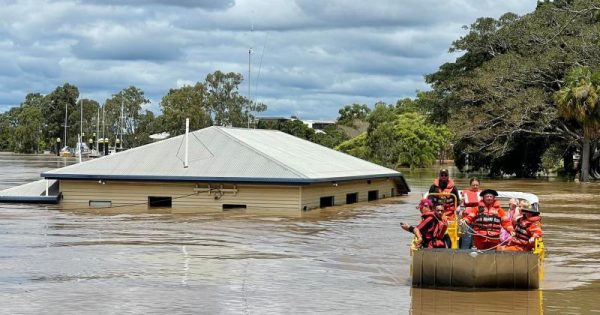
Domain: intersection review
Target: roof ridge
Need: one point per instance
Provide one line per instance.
(291, 169)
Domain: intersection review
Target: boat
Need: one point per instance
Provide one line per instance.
(471, 268)
(66, 152)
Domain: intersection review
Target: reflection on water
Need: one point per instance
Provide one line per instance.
(427, 301)
(342, 260)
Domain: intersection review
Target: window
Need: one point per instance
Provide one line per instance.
(233, 207)
(326, 202)
(373, 195)
(100, 203)
(351, 198)
(159, 202)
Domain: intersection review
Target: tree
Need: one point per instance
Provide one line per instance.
(53, 108)
(579, 99)
(349, 114)
(227, 106)
(499, 93)
(185, 102)
(123, 123)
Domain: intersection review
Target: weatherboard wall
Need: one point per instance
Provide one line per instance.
(127, 196)
(311, 194)
(266, 198)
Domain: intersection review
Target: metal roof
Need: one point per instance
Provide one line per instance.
(221, 154)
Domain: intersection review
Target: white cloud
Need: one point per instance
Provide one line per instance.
(308, 58)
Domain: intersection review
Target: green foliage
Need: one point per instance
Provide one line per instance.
(293, 127)
(330, 137)
(185, 102)
(349, 114)
(122, 113)
(394, 140)
(499, 95)
(356, 146)
(579, 100)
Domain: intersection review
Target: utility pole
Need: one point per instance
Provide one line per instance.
(249, 95)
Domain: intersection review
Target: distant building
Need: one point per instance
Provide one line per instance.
(318, 124)
(255, 170)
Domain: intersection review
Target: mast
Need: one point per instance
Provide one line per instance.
(121, 129)
(80, 138)
(66, 115)
(249, 95)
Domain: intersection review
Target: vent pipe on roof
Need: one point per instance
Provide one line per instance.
(187, 131)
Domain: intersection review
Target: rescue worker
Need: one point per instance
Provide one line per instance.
(488, 220)
(444, 184)
(469, 201)
(432, 229)
(528, 228)
(425, 205)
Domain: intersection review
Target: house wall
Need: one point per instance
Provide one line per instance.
(134, 196)
(264, 199)
(311, 195)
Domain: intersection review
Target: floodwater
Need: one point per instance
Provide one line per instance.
(343, 260)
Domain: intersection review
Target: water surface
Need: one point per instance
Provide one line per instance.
(345, 260)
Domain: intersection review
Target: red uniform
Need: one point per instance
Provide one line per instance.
(525, 229)
(432, 230)
(487, 223)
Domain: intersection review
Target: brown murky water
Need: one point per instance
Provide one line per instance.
(345, 260)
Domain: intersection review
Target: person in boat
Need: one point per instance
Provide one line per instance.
(469, 201)
(444, 184)
(431, 230)
(425, 205)
(513, 212)
(488, 220)
(528, 228)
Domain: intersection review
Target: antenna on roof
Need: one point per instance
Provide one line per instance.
(187, 131)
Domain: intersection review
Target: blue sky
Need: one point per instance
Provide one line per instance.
(309, 57)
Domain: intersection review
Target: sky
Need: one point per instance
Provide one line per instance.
(307, 58)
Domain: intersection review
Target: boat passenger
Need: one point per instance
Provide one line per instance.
(513, 212)
(488, 220)
(528, 228)
(469, 202)
(425, 205)
(444, 184)
(431, 231)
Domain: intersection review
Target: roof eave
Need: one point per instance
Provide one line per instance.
(239, 180)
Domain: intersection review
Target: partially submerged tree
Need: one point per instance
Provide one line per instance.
(579, 100)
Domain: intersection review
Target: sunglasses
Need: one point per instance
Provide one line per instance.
(443, 175)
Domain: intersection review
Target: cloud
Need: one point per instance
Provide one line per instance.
(210, 5)
(307, 57)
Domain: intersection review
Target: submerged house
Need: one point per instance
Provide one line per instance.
(219, 168)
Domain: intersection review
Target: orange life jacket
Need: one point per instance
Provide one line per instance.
(525, 228)
(488, 221)
(471, 199)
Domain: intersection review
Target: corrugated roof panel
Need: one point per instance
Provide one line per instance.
(219, 152)
(308, 158)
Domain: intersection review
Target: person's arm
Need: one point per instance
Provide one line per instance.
(413, 230)
(506, 222)
(419, 236)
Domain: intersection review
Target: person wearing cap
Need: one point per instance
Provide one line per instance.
(444, 184)
(528, 228)
(431, 230)
(488, 220)
(425, 205)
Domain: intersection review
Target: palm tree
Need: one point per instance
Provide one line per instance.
(579, 99)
